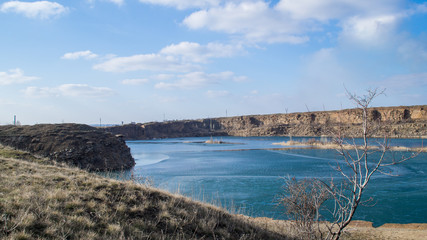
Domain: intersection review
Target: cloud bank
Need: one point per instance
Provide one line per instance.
(37, 9)
(291, 21)
(69, 90)
(81, 54)
(14, 76)
(183, 4)
(181, 57)
(144, 62)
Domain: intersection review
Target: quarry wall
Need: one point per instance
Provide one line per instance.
(403, 121)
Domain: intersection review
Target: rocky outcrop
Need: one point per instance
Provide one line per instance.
(404, 121)
(186, 128)
(75, 144)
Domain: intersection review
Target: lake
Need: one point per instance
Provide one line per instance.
(245, 173)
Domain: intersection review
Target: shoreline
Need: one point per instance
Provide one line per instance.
(329, 145)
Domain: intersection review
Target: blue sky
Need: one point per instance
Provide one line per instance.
(150, 60)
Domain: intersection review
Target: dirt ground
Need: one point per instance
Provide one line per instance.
(362, 230)
(416, 231)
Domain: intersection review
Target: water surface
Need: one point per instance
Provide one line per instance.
(246, 173)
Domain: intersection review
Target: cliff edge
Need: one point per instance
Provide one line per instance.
(397, 122)
(75, 144)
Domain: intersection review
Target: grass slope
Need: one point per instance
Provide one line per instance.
(42, 201)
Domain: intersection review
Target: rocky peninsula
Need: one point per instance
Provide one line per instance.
(74, 144)
(396, 122)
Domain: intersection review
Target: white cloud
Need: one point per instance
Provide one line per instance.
(217, 94)
(320, 10)
(148, 62)
(38, 91)
(181, 57)
(81, 54)
(364, 21)
(256, 21)
(290, 21)
(325, 10)
(369, 30)
(183, 4)
(198, 79)
(75, 90)
(37, 9)
(14, 76)
(420, 8)
(117, 2)
(194, 52)
(69, 90)
(135, 81)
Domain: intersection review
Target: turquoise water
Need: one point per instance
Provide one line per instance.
(246, 173)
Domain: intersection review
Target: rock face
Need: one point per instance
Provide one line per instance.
(79, 145)
(405, 121)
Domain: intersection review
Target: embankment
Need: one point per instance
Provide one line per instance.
(397, 122)
(74, 144)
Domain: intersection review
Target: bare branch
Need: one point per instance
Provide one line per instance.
(359, 163)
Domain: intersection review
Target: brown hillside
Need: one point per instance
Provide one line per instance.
(42, 201)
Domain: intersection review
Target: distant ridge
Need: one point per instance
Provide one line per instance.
(396, 122)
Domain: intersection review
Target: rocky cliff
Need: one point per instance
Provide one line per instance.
(404, 121)
(79, 145)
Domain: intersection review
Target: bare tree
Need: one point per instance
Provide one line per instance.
(302, 200)
(357, 166)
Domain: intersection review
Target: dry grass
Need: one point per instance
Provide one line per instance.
(40, 201)
(330, 145)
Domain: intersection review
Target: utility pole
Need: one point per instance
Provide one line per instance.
(100, 122)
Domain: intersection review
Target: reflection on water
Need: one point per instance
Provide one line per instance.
(246, 173)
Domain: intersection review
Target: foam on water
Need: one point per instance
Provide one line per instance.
(144, 159)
